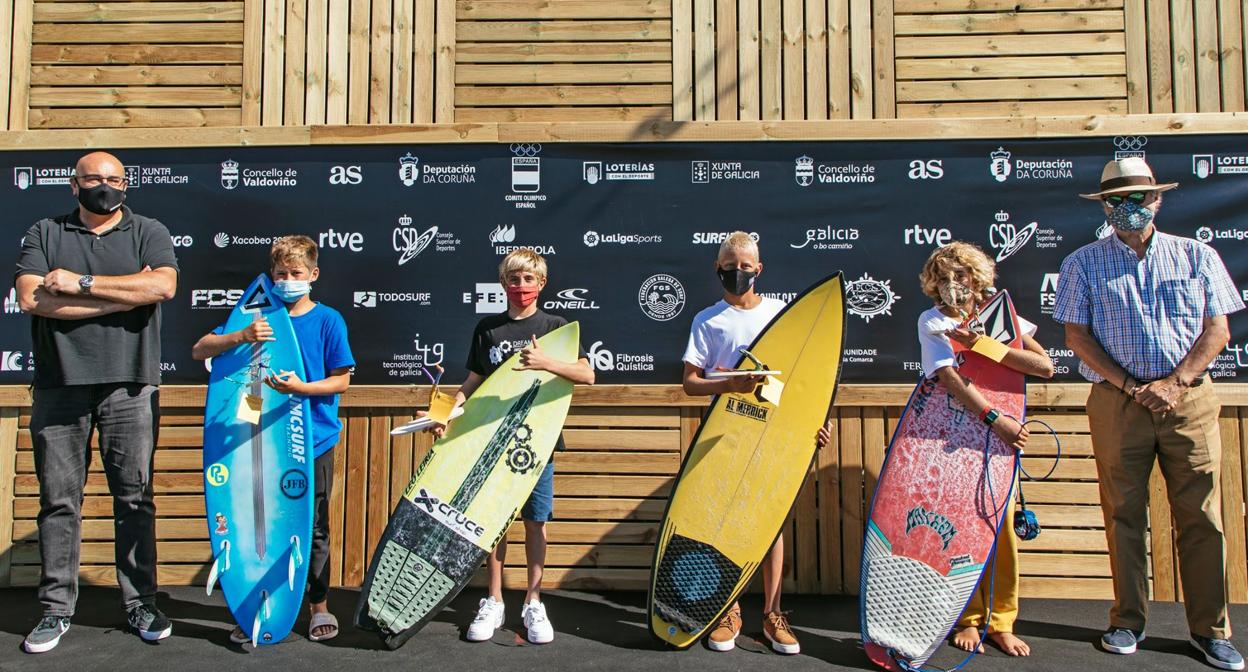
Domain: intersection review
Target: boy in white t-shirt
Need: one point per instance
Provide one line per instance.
(959, 277)
(715, 341)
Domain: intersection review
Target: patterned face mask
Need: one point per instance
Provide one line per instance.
(1130, 216)
(954, 294)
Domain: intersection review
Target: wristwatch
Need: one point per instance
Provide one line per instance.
(85, 283)
(989, 416)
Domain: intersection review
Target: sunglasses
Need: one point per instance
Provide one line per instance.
(1134, 197)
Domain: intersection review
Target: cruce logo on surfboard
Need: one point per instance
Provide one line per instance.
(447, 514)
(921, 517)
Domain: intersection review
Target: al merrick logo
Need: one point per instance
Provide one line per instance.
(744, 408)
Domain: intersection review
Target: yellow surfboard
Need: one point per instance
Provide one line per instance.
(744, 470)
(467, 492)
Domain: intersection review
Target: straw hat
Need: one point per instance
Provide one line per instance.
(1123, 176)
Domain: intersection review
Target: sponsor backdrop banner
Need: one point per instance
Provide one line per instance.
(411, 235)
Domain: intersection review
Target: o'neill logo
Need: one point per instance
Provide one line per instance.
(444, 513)
(1000, 166)
(1007, 239)
(804, 171)
(867, 297)
(940, 524)
(573, 298)
(409, 242)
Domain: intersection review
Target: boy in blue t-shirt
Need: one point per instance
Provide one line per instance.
(327, 363)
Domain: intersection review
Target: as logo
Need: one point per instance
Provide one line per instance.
(346, 174)
(930, 169)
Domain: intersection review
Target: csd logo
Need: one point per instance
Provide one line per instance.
(217, 474)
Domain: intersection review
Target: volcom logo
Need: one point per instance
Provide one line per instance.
(921, 517)
(449, 516)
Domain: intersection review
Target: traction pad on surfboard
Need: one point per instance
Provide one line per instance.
(910, 607)
(693, 583)
(420, 565)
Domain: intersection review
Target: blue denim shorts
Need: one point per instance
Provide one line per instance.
(541, 505)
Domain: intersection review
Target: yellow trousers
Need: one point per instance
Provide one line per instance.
(1003, 583)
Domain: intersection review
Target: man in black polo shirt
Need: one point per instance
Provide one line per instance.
(93, 281)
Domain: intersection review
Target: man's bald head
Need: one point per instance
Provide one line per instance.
(100, 163)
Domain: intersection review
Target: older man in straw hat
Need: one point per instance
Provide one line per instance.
(1145, 311)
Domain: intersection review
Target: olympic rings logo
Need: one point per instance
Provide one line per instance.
(1130, 143)
(526, 149)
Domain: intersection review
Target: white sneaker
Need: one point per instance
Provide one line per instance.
(489, 618)
(540, 629)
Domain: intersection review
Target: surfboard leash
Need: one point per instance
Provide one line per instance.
(1026, 524)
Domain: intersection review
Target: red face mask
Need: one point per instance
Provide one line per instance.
(522, 297)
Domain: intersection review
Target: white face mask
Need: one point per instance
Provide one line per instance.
(290, 291)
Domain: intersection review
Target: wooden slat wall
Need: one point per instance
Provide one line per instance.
(624, 448)
(1194, 52)
(107, 64)
(536, 60)
(1010, 59)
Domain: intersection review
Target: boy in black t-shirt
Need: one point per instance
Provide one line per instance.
(523, 274)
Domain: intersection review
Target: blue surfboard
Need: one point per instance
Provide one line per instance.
(258, 475)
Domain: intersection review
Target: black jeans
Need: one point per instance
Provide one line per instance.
(127, 417)
(322, 485)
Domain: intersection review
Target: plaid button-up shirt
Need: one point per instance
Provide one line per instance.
(1147, 313)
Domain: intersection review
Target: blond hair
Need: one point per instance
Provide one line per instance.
(523, 260)
(942, 261)
(738, 240)
(293, 250)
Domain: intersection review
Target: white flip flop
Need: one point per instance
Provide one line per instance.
(320, 620)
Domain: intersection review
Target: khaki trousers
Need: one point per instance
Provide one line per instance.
(1001, 582)
(1127, 438)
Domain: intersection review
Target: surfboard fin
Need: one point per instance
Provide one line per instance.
(296, 560)
(220, 565)
(263, 613)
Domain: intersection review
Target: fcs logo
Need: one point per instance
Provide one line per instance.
(600, 358)
(346, 174)
(929, 169)
(503, 233)
(221, 240)
(215, 298)
(1000, 166)
(11, 305)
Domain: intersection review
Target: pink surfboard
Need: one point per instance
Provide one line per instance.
(938, 506)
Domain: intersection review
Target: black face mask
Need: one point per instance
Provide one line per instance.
(736, 281)
(101, 199)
